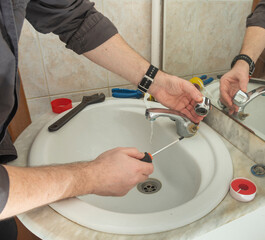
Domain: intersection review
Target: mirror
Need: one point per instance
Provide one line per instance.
(253, 113)
(202, 37)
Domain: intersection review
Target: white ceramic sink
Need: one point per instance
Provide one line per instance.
(194, 173)
(255, 109)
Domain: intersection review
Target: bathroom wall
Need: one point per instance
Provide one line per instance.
(50, 71)
(201, 36)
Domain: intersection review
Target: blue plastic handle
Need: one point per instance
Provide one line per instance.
(126, 93)
(202, 77)
(207, 81)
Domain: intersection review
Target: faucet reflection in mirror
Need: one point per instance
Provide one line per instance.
(242, 99)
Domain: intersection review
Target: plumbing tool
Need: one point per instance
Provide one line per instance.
(203, 77)
(87, 100)
(197, 82)
(243, 189)
(207, 81)
(148, 157)
(126, 93)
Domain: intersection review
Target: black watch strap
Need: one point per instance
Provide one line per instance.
(148, 79)
(247, 59)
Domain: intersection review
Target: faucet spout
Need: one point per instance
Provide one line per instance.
(242, 99)
(185, 127)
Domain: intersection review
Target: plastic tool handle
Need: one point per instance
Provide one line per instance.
(202, 77)
(126, 93)
(207, 81)
(87, 100)
(147, 157)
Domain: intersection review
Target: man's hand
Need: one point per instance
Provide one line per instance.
(118, 170)
(173, 92)
(238, 77)
(176, 93)
(231, 82)
(113, 173)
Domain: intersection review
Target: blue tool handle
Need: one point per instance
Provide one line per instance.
(122, 90)
(126, 93)
(207, 81)
(202, 77)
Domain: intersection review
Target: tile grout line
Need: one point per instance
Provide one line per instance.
(43, 65)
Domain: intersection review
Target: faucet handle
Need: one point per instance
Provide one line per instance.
(240, 98)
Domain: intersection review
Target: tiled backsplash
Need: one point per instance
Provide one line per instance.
(201, 37)
(49, 70)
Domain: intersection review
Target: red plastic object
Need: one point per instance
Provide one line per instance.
(243, 186)
(242, 189)
(61, 104)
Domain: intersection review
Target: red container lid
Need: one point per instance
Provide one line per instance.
(60, 105)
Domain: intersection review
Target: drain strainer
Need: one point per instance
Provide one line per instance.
(151, 185)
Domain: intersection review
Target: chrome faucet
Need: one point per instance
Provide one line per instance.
(185, 127)
(242, 99)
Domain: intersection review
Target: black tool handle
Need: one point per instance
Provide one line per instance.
(147, 158)
(87, 100)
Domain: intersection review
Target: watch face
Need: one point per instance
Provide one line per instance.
(251, 68)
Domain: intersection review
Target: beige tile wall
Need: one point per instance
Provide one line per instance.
(50, 71)
(201, 36)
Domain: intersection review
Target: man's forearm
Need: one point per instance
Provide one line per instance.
(118, 57)
(34, 187)
(37, 186)
(254, 42)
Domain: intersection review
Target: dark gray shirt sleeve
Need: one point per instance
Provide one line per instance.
(77, 22)
(257, 18)
(7, 150)
(4, 187)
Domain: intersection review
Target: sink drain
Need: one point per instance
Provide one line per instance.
(151, 185)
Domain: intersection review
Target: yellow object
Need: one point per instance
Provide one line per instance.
(197, 83)
(151, 98)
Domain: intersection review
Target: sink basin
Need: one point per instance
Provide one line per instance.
(190, 178)
(255, 109)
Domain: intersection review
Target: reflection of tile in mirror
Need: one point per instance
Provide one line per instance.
(179, 27)
(220, 31)
(202, 36)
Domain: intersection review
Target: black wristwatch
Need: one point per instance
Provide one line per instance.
(148, 79)
(247, 59)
